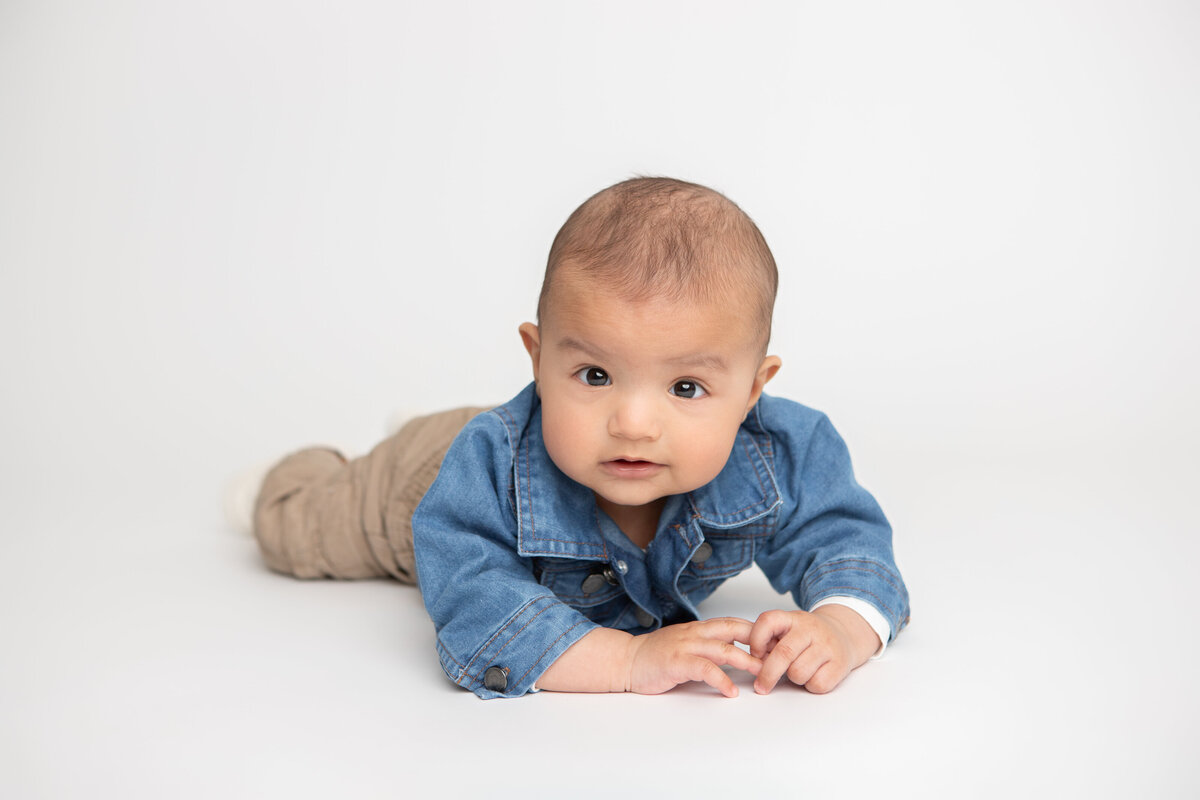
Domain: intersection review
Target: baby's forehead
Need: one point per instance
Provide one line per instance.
(732, 313)
(571, 285)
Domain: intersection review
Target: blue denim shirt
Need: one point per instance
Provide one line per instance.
(516, 562)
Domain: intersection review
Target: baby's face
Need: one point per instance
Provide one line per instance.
(643, 399)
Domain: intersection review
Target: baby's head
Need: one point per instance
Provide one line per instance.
(650, 347)
(665, 238)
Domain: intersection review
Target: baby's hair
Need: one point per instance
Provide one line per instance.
(662, 237)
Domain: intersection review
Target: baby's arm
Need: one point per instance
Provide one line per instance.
(608, 660)
(816, 650)
(833, 552)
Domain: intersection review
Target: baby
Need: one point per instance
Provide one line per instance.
(563, 540)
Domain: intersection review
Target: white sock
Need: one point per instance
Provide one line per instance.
(241, 492)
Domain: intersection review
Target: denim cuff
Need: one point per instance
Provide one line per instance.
(864, 579)
(516, 655)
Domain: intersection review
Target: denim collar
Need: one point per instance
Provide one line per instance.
(558, 517)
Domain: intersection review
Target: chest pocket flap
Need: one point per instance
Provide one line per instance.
(582, 584)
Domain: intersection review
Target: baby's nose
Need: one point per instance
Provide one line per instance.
(634, 418)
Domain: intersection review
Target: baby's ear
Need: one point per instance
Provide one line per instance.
(531, 337)
(766, 370)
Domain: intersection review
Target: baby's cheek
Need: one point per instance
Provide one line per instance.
(708, 452)
(558, 446)
(565, 444)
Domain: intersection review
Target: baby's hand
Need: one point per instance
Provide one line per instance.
(816, 650)
(691, 651)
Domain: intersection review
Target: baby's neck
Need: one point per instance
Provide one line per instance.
(638, 523)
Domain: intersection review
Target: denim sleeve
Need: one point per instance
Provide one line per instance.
(497, 628)
(832, 537)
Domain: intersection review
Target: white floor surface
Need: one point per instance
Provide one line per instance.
(1050, 654)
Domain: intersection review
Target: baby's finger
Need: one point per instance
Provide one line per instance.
(769, 647)
(777, 662)
(807, 665)
(701, 669)
(728, 629)
(769, 626)
(826, 678)
(725, 654)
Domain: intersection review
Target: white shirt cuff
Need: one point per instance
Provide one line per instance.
(868, 612)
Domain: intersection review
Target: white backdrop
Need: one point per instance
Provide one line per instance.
(228, 229)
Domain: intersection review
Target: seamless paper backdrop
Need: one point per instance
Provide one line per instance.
(228, 229)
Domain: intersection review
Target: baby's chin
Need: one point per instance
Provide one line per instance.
(629, 497)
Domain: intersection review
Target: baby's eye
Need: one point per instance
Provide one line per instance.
(593, 376)
(688, 389)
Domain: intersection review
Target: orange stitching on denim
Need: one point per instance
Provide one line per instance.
(495, 635)
(443, 649)
(510, 429)
(761, 488)
(830, 568)
(760, 501)
(506, 419)
(882, 602)
(807, 588)
(518, 633)
(601, 548)
(533, 528)
(754, 466)
(529, 491)
(599, 531)
(768, 447)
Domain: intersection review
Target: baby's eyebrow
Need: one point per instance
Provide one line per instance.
(567, 343)
(707, 360)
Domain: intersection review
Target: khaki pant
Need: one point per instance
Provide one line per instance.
(321, 516)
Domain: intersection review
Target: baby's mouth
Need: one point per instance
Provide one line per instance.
(631, 466)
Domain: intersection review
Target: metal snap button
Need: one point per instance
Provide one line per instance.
(595, 582)
(496, 679)
(703, 553)
(644, 617)
(592, 583)
(622, 567)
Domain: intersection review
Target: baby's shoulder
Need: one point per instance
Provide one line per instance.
(494, 435)
(785, 421)
(802, 442)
